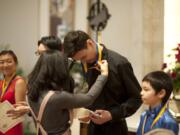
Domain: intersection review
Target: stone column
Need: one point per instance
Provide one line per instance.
(153, 34)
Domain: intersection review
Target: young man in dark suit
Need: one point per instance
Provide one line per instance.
(120, 97)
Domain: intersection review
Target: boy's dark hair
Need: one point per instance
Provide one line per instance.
(10, 52)
(51, 42)
(160, 80)
(75, 41)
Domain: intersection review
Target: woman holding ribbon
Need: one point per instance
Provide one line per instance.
(12, 87)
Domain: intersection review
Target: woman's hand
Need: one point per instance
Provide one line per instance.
(103, 67)
(19, 110)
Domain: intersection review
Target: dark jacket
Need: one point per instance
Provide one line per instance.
(120, 95)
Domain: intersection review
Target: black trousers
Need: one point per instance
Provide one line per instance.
(109, 128)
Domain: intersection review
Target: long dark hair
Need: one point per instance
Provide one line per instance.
(51, 42)
(50, 73)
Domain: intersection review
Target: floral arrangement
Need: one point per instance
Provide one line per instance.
(173, 67)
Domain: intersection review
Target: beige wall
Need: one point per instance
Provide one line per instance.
(171, 25)
(19, 27)
(23, 22)
(26, 21)
(124, 31)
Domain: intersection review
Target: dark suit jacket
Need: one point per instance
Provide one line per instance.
(120, 95)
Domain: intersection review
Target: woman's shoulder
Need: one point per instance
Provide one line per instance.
(20, 82)
(19, 79)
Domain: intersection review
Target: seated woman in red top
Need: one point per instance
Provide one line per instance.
(12, 87)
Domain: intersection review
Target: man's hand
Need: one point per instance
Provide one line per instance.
(100, 116)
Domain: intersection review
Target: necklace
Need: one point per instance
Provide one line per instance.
(99, 49)
(5, 86)
(155, 120)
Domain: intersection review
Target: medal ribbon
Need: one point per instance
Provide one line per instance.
(99, 49)
(5, 87)
(156, 119)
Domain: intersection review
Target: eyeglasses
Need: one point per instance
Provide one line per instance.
(37, 53)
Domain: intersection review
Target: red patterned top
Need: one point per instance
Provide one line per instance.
(10, 96)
